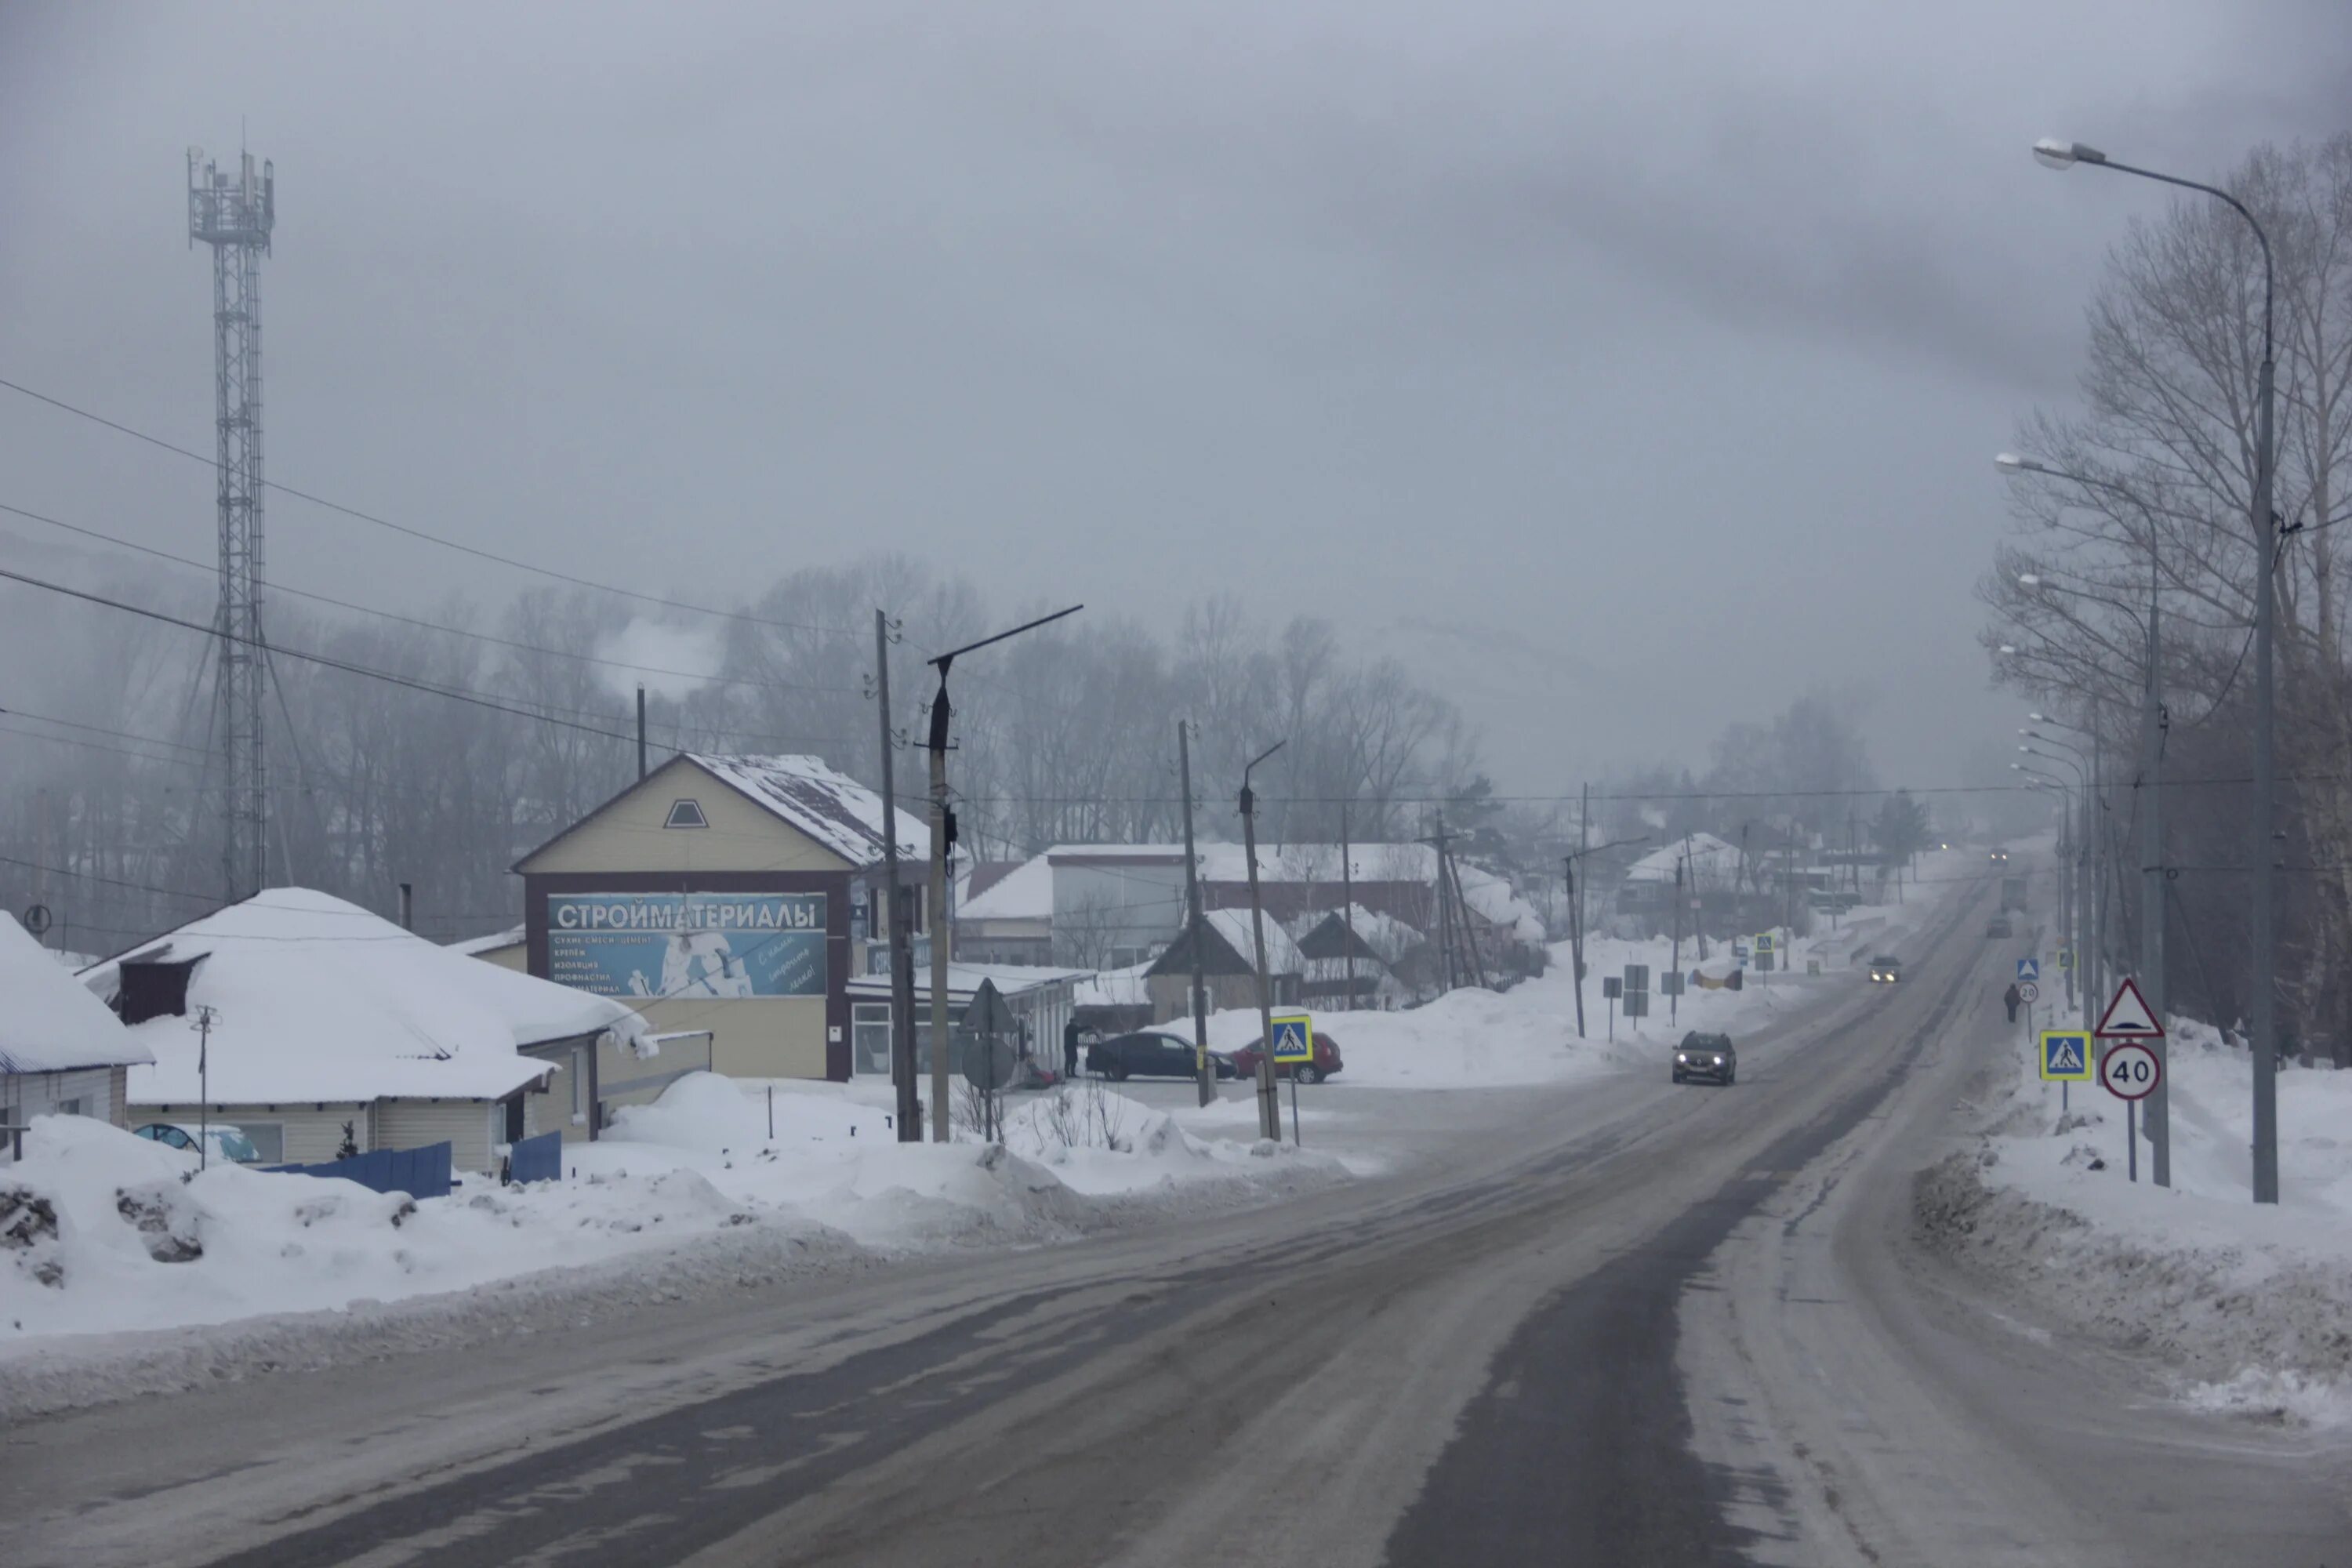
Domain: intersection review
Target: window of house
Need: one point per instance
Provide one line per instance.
(265, 1140)
(70, 1107)
(869, 1037)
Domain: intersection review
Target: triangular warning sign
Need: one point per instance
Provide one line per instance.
(2128, 1017)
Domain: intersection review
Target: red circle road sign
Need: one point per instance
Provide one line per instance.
(2130, 1071)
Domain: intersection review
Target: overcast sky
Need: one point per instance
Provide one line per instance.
(1625, 370)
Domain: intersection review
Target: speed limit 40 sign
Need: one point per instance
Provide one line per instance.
(2130, 1071)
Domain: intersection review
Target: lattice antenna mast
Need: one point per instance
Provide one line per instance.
(234, 213)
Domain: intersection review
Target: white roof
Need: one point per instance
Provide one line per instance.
(475, 946)
(49, 1022)
(1116, 988)
(1321, 863)
(316, 999)
(1491, 899)
(1023, 893)
(830, 807)
(1386, 935)
(1707, 854)
(1282, 954)
(1010, 979)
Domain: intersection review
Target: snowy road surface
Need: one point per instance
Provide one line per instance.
(1624, 1324)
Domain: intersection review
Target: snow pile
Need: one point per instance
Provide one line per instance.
(114, 1232)
(2245, 1307)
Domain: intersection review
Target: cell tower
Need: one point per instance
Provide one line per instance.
(234, 214)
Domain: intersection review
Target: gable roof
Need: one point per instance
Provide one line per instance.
(1025, 892)
(1233, 930)
(831, 809)
(1384, 937)
(317, 999)
(49, 1022)
(1708, 854)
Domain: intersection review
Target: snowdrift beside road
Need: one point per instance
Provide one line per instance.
(2246, 1308)
(103, 1234)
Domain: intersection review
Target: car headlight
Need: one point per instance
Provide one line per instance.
(1718, 1061)
(1681, 1060)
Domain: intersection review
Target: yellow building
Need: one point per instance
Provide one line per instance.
(729, 894)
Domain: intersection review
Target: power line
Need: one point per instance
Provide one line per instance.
(418, 533)
(209, 568)
(96, 730)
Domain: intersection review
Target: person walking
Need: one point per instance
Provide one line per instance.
(2012, 999)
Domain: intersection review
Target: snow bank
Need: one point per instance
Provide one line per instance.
(2245, 1308)
(102, 1233)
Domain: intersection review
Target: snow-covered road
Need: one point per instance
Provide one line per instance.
(1622, 1323)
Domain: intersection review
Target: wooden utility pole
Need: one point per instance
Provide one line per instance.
(1348, 903)
(1205, 1070)
(1575, 900)
(895, 912)
(1469, 932)
(1269, 1101)
(941, 816)
(1436, 843)
(1673, 1003)
(641, 730)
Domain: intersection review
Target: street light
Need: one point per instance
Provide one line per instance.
(1269, 1098)
(2151, 769)
(2262, 1036)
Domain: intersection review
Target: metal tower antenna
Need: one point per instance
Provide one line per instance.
(234, 214)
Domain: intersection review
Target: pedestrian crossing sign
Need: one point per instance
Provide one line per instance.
(2067, 1055)
(2028, 969)
(1294, 1037)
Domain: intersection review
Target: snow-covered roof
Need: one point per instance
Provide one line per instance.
(1707, 854)
(1386, 935)
(316, 999)
(49, 1022)
(1491, 899)
(1321, 863)
(475, 946)
(830, 807)
(1116, 988)
(963, 978)
(1023, 893)
(1282, 954)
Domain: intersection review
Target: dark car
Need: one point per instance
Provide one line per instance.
(1997, 926)
(1708, 1056)
(1997, 855)
(1150, 1053)
(1885, 969)
(1326, 1061)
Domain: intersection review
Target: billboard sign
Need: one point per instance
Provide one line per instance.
(702, 946)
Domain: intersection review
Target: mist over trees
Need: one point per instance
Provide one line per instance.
(2168, 392)
(1064, 734)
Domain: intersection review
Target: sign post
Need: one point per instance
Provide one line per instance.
(1612, 988)
(2131, 1072)
(1637, 991)
(2134, 1069)
(1670, 985)
(1293, 1045)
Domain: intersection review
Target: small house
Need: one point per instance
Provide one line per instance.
(1228, 964)
(318, 1028)
(1360, 959)
(61, 1052)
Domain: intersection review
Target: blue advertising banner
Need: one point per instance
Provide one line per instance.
(688, 944)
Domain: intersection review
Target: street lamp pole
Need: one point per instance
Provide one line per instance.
(2157, 1108)
(2263, 1041)
(2087, 874)
(1269, 1098)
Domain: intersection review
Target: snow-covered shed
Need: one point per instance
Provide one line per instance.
(323, 1016)
(61, 1052)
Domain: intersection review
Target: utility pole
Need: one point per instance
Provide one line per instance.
(1204, 1069)
(1269, 1101)
(895, 908)
(641, 729)
(1348, 903)
(203, 1025)
(1469, 932)
(234, 215)
(944, 833)
(1575, 933)
(2151, 879)
(408, 907)
(1673, 1003)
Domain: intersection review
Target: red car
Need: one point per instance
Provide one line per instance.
(1326, 1061)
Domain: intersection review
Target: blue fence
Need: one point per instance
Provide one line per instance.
(420, 1172)
(539, 1159)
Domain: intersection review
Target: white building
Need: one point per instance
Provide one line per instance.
(324, 1016)
(61, 1052)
